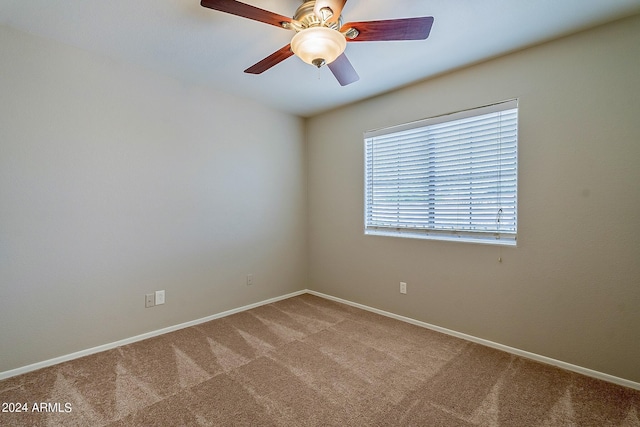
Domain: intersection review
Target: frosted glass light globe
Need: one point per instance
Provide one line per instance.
(318, 45)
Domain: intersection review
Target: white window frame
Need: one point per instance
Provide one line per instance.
(405, 201)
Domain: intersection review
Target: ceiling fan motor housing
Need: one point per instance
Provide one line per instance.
(306, 16)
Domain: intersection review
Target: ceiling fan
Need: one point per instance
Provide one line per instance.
(320, 37)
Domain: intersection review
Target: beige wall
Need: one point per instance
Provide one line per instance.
(571, 289)
(115, 182)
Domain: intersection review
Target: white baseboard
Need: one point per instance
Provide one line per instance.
(98, 349)
(533, 356)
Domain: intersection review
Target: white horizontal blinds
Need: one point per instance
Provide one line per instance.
(454, 175)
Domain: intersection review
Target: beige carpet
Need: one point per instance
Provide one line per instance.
(307, 361)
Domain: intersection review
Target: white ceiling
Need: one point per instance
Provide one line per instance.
(195, 44)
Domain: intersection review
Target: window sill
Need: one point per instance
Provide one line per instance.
(486, 239)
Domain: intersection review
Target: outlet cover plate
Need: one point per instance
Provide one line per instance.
(159, 297)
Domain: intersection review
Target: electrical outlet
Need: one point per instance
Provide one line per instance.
(149, 300)
(159, 297)
(249, 279)
(403, 287)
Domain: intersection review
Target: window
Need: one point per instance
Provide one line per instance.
(451, 177)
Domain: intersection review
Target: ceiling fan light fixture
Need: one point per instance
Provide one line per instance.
(318, 45)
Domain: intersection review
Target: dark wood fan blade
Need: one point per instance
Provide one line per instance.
(343, 70)
(246, 11)
(274, 59)
(336, 7)
(391, 29)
